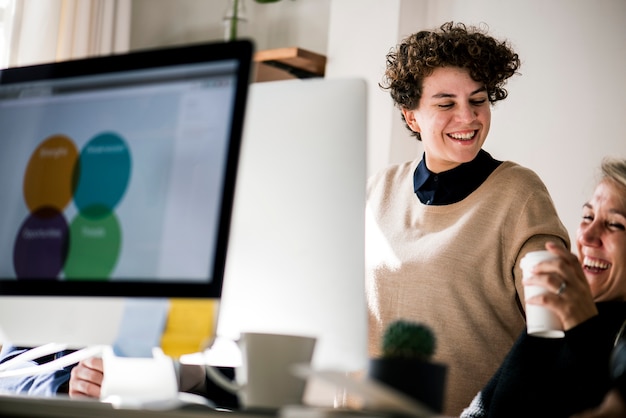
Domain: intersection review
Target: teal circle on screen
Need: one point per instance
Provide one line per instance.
(102, 175)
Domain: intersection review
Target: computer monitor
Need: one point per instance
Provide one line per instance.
(296, 258)
(117, 177)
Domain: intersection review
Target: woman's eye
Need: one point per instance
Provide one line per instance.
(618, 226)
(587, 218)
(478, 102)
(446, 105)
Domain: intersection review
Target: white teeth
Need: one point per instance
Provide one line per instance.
(466, 136)
(595, 264)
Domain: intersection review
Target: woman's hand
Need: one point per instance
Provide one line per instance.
(574, 304)
(86, 378)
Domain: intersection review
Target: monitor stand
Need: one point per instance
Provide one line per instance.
(139, 382)
(136, 371)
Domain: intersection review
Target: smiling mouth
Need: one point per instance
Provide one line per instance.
(466, 136)
(595, 266)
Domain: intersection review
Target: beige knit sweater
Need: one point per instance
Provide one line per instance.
(456, 267)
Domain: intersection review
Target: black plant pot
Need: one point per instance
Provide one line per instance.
(421, 380)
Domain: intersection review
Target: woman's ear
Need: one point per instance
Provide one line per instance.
(409, 117)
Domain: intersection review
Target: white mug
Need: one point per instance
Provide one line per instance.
(265, 378)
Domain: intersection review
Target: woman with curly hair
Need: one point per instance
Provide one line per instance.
(445, 233)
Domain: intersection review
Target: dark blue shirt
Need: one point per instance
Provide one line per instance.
(453, 185)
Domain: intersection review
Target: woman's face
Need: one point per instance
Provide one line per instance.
(453, 118)
(601, 242)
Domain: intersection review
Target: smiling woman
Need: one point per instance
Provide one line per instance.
(453, 118)
(601, 236)
(564, 376)
(445, 233)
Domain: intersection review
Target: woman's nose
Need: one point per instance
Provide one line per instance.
(589, 235)
(466, 113)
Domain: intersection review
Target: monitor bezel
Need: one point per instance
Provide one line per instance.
(240, 50)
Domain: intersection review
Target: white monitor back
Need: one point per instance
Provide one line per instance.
(295, 262)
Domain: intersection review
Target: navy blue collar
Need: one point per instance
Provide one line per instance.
(453, 185)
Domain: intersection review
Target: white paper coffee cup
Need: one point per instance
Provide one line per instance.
(540, 321)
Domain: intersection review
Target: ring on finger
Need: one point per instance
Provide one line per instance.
(561, 288)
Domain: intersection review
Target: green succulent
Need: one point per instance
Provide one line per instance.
(408, 339)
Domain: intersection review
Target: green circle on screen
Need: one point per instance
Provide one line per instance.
(94, 247)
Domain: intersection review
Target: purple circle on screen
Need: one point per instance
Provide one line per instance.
(41, 245)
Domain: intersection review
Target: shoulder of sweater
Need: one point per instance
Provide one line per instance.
(515, 175)
(508, 169)
(611, 317)
(394, 169)
(613, 308)
(392, 173)
(509, 175)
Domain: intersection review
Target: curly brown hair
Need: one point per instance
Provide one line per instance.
(488, 61)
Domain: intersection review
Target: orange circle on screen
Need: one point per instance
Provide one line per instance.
(48, 181)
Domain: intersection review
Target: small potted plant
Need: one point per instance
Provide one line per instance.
(236, 14)
(406, 363)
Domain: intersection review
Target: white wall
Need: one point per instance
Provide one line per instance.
(302, 23)
(563, 113)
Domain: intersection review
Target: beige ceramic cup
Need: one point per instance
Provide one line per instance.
(265, 378)
(540, 321)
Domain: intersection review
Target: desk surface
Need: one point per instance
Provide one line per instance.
(64, 407)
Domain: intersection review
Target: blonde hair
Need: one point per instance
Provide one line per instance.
(614, 169)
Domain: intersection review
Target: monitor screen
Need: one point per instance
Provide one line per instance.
(117, 176)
